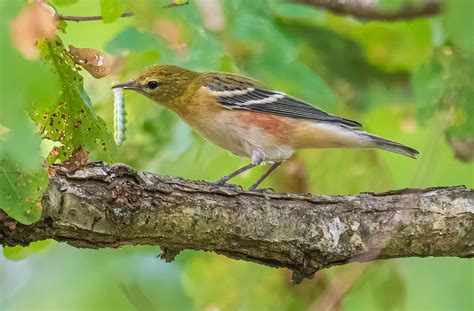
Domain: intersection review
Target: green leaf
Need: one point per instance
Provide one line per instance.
(459, 92)
(21, 190)
(64, 2)
(396, 46)
(428, 85)
(446, 83)
(227, 64)
(72, 122)
(22, 177)
(22, 82)
(389, 289)
(459, 22)
(111, 10)
(264, 288)
(380, 287)
(17, 253)
(130, 39)
(140, 60)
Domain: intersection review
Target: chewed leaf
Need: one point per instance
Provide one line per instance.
(21, 192)
(72, 122)
(94, 61)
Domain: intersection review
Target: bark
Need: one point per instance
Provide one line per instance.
(105, 205)
(369, 9)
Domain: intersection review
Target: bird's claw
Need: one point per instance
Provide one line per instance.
(262, 190)
(225, 184)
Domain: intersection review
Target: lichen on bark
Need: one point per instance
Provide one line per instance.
(105, 205)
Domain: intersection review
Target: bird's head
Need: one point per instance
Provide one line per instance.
(162, 83)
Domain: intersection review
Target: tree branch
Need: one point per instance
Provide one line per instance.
(369, 9)
(99, 17)
(105, 205)
(87, 18)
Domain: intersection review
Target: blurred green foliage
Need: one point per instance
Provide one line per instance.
(17, 253)
(410, 81)
(22, 82)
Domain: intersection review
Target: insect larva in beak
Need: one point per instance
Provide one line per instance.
(119, 116)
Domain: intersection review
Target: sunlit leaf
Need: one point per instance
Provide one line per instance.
(64, 2)
(111, 10)
(227, 64)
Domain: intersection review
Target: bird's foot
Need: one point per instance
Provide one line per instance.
(262, 190)
(225, 184)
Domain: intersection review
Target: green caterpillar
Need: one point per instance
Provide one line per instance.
(119, 116)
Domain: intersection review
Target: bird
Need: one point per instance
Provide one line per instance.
(248, 119)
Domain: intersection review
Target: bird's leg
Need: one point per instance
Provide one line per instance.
(265, 175)
(224, 179)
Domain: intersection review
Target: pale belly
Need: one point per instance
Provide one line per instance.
(243, 139)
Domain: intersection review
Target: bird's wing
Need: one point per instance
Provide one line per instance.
(238, 92)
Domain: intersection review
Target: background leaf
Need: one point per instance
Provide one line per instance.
(110, 10)
(22, 82)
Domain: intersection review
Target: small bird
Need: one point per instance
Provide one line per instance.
(242, 116)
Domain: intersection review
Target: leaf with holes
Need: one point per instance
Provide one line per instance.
(21, 191)
(72, 122)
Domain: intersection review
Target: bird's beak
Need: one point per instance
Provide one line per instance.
(129, 85)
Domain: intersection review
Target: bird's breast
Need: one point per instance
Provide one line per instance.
(245, 133)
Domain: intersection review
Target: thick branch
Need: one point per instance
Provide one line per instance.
(369, 9)
(110, 206)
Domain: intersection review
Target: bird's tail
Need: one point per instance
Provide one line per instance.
(389, 145)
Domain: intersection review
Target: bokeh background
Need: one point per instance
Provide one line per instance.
(411, 81)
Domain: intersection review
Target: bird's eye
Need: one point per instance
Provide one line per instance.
(152, 85)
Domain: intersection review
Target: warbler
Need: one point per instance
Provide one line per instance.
(244, 117)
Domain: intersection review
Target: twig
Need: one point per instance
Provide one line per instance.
(370, 9)
(87, 18)
(98, 17)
